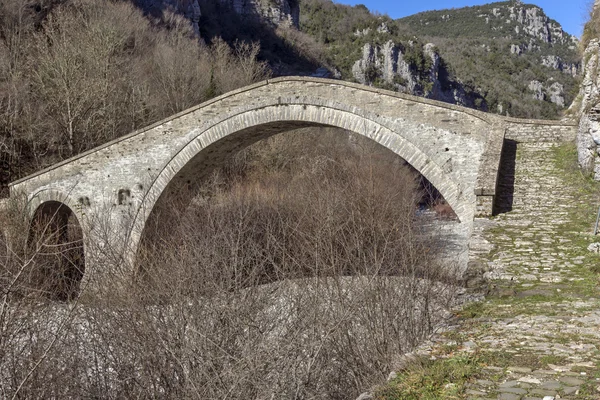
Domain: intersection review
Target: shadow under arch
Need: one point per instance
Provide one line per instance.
(56, 245)
(208, 148)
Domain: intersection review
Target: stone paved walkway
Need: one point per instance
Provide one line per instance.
(538, 331)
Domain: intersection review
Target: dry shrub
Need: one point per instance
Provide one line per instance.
(78, 73)
(591, 29)
(304, 280)
(444, 210)
(316, 269)
(306, 46)
(237, 67)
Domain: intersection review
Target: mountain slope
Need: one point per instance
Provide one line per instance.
(374, 50)
(521, 61)
(505, 57)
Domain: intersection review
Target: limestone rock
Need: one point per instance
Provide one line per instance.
(387, 64)
(589, 89)
(529, 20)
(587, 105)
(555, 62)
(572, 69)
(277, 12)
(537, 88)
(383, 28)
(586, 148)
(516, 49)
(555, 92)
(360, 67)
(594, 247)
(535, 23)
(364, 32)
(430, 51)
(188, 8)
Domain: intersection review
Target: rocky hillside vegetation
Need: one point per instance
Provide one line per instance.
(505, 57)
(522, 62)
(375, 50)
(587, 103)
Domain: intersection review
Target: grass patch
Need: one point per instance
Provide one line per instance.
(472, 310)
(433, 379)
(552, 359)
(589, 390)
(582, 214)
(595, 269)
(448, 378)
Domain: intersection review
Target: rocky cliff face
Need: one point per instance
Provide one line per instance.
(519, 59)
(390, 66)
(277, 12)
(555, 62)
(188, 8)
(553, 92)
(526, 25)
(530, 26)
(533, 22)
(387, 63)
(587, 106)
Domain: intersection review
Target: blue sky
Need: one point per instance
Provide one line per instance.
(571, 14)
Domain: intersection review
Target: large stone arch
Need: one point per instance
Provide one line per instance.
(115, 187)
(238, 128)
(53, 215)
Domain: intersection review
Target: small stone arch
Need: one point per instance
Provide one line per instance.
(243, 127)
(56, 243)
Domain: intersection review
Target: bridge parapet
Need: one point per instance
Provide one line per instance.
(531, 131)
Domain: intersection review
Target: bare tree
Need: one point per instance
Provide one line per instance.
(78, 73)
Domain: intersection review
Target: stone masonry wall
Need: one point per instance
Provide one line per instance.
(541, 131)
(122, 180)
(457, 149)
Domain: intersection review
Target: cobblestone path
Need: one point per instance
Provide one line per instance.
(537, 334)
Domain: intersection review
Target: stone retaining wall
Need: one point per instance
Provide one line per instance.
(540, 131)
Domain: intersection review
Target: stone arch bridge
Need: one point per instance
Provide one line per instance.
(113, 189)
